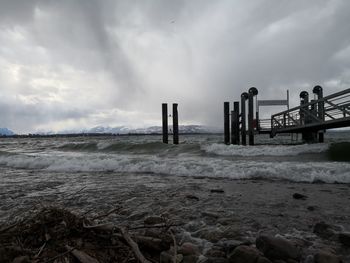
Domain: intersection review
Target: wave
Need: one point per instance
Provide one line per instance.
(264, 150)
(131, 148)
(328, 172)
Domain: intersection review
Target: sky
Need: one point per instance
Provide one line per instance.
(75, 64)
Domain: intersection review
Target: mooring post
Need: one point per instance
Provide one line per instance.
(244, 97)
(175, 124)
(165, 122)
(227, 122)
(236, 121)
(320, 109)
(252, 92)
(232, 127)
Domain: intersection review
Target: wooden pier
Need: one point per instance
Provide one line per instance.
(311, 118)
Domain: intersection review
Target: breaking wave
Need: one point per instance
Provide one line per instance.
(329, 172)
(264, 150)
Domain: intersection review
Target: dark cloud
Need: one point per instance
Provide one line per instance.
(89, 60)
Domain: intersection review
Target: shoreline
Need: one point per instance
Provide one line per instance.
(211, 210)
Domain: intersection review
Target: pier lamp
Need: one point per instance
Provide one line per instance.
(318, 91)
(304, 95)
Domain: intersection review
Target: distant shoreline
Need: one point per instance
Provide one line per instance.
(94, 135)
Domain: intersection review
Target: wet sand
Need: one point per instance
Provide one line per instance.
(210, 210)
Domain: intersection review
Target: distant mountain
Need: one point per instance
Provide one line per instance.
(6, 132)
(148, 130)
(152, 130)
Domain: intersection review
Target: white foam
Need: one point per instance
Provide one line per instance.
(329, 172)
(264, 150)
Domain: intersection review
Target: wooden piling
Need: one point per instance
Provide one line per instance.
(251, 118)
(320, 110)
(235, 118)
(227, 122)
(165, 122)
(175, 124)
(244, 97)
(232, 127)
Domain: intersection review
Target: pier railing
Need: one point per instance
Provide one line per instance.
(328, 112)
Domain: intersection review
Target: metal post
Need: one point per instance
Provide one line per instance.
(227, 122)
(175, 124)
(320, 110)
(250, 119)
(236, 120)
(165, 122)
(244, 97)
(232, 127)
(252, 92)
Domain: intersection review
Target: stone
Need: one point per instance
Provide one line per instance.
(21, 259)
(219, 191)
(275, 248)
(324, 257)
(166, 257)
(190, 259)
(231, 244)
(216, 260)
(323, 230)
(188, 248)
(153, 220)
(192, 197)
(215, 252)
(299, 196)
(263, 260)
(244, 254)
(344, 238)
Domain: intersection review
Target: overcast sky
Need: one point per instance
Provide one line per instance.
(80, 63)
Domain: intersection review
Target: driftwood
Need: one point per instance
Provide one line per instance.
(102, 227)
(81, 256)
(175, 246)
(133, 245)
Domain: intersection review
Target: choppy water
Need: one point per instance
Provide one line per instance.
(197, 155)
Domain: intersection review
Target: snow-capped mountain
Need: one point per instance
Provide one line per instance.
(6, 132)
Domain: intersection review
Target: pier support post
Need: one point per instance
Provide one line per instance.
(320, 110)
(227, 122)
(244, 97)
(165, 122)
(175, 124)
(252, 92)
(235, 123)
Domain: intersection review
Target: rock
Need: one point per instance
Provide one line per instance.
(188, 248)
(193, 197)
(165, 257)
(231, 244)
(309, 259)
(299, 196)
(190, 259)
(216, 260)
(323, 230)
(210, 214)
(344, 238)
(324, 257)
(219, 191)
(277, 248)
(311, 208)
(263, 260)
(244, 254)
(215, 252)
(153, 220)
(21, 259)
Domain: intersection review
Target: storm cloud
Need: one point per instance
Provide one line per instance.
(77, 64)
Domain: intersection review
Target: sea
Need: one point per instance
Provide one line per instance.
(281, 158)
